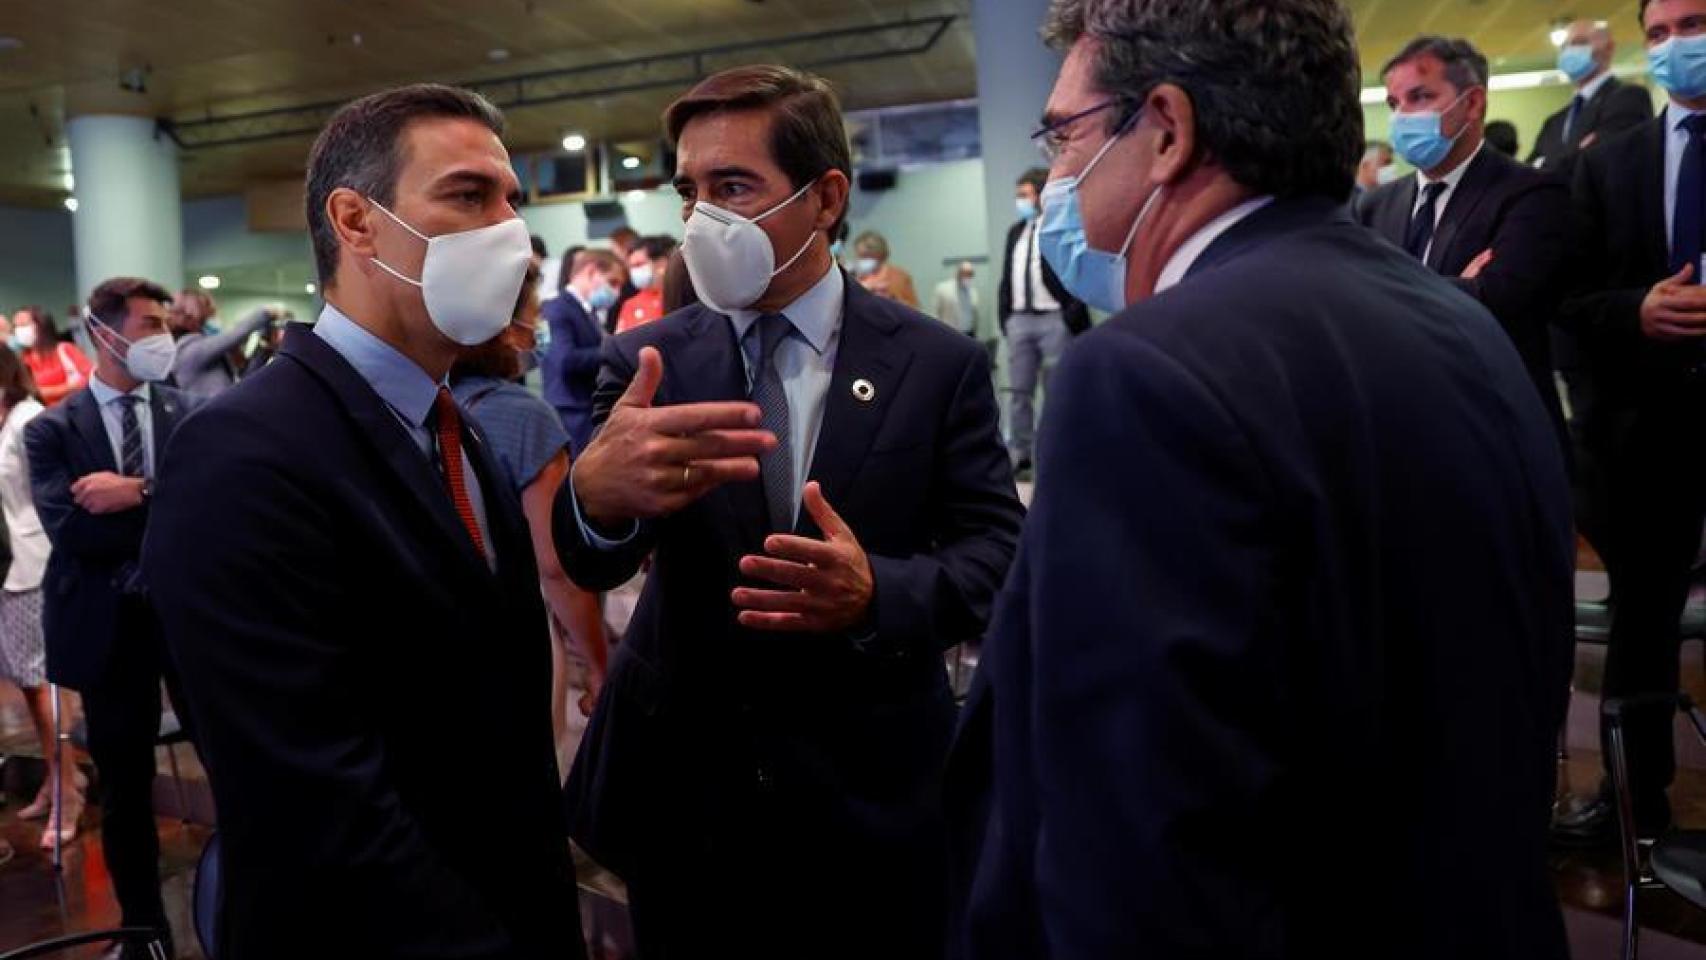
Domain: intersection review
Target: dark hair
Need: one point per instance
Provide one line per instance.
(361, 148)
(1464, 65)
(624, 235)
(496, 358)
(657, 247)
(110, 303)
(1037, 177)
(807, 135)
(47, 335)
(1641, 14)
(606, 262)
(1501, 136)
(678, 289)
(16, 383)
(566, 267)
(538, 245)
(1276, 85)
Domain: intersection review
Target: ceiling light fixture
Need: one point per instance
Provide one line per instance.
(310, 289)
(1558, 36)
(71, 204)
(574, 143)
(497, 54)
(635, 196)
(630, 163)
(209, 282)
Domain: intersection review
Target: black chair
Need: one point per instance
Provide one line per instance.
(142, 937)
(1678, 859)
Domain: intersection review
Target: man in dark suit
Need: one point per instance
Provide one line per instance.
(348, 586)
(93, 461)
(1037, 316)
(570, 371)
(1498, 230)
(763, 767)
(1640, 320)
(1300, 564)
(1602, 106)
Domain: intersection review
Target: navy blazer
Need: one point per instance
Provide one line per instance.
(322, 601)
(570, 369)
(1616, 106)
(1525, 218)
(1294, 597)
(710, 736)
(94, 559)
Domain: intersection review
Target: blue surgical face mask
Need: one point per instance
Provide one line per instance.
(1096, 277)
(865, 266)
(1420, 139)
(1026, 207)
(1679, 65)
(601, 297)
(1576, 61)
(837, 248)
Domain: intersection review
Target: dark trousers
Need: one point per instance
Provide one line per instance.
(123, 713)
(1592, 429)
(1655, 471)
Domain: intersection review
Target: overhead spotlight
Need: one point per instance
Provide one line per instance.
(574, 143)
(310, 289)
(634, 196)
(135, 80)
(71, 204)
(1559, 35)
(497, 54)
(209, 282)
(630, 163)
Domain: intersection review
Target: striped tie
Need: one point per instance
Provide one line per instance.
(449, 428)
(131, 432)
(777, 466)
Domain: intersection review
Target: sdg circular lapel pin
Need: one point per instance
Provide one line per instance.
(864, 391)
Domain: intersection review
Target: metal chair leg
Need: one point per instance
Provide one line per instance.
(1629, 843)
(59, 737)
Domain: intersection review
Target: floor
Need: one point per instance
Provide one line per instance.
(36, 903)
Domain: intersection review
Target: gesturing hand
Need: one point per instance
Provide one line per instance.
(107, 492)
(1478, 264)
(652, 461)
(1675, 309)
(829, 581)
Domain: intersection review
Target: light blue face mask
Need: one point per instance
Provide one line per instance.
(1679, 65)
(1026, 207)
(602, 297)
(1419, 138)
(1576, 61)
(1096, 277)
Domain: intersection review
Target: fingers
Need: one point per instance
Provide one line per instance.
(1681, 277)
(830, 522)
(775, 622)
(776, 601)
(801, 550)
(1672, 331)
(690, 418)
(714, 445)
(707, 475)
(782, 572)
(644, 386)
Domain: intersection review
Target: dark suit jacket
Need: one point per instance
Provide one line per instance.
(570, 370)
(1072, 310)
(1620, 201)
(1299, 571)
(1616, 106)
(813, 761)
(94, 559)
(1524, 217)
(341, 642)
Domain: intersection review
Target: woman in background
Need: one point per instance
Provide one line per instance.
(23, 655)
(58, 368)
(876, 274)
(532, 446)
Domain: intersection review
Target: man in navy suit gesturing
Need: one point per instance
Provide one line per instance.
(763, 767)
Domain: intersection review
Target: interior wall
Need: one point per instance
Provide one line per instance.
(935, 216)
(37, 260)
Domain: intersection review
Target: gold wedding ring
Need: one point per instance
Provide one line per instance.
(687, 476)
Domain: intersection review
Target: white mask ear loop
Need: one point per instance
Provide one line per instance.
(797, 195)
(1142, 215)
(387, 267)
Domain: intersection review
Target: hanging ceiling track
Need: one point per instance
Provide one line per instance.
(811, 50)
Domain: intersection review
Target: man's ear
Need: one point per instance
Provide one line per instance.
(832, 190)
(1170, 109)
(351, 217)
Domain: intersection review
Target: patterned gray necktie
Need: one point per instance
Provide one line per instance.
(777, 466)
(131, 437)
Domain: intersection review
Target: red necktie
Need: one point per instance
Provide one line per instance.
(450, 451)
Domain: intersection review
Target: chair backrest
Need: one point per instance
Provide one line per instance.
(204, 900)
(139, 936)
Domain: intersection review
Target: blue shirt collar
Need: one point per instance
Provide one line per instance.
(816, 314)
(104, 393)
(398, 380)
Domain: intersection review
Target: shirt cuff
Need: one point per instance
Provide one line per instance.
(590, 534)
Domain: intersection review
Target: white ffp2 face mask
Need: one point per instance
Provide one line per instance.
(470, 279)
(150, 359)
(730, 258)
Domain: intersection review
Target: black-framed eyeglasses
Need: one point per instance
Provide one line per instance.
(1051, 138)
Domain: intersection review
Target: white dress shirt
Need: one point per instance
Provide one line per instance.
(806, 361)
(1027, 262)
(112, 417)
(1676, 142)
(1451, 180)
(1185, 257)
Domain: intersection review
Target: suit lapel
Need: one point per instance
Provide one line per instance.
(849, 422)
(503, 507)
(1650, 189)
(380, 428)
(1394, 217)
(1461, 205)
(165, 411)
(86, 420)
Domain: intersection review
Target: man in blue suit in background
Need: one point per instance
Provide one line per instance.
(1300, 567)
(592, 282)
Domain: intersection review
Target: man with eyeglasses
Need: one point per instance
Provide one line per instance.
(1299, 569)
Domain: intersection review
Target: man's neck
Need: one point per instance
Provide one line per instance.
(431, 352)
(793, 283)
(114, 376)
(1590, 79)
(1467, 146)
(1195, 203)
